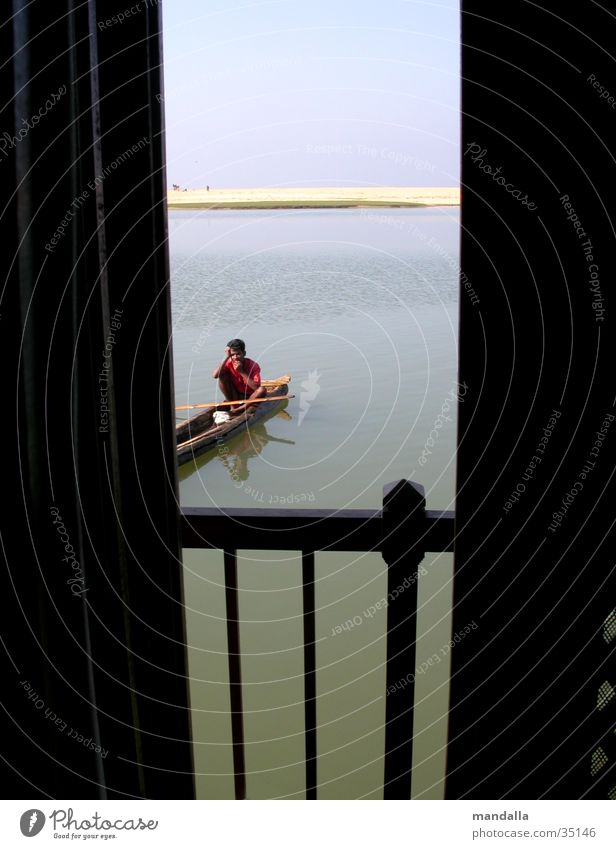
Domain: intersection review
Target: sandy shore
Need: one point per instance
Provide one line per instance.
(313, 197)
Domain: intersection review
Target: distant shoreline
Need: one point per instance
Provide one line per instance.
(314, 198)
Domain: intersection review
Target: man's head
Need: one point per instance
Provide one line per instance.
(237, 351)
(237, 345)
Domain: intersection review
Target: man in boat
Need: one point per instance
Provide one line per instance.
(239, 378)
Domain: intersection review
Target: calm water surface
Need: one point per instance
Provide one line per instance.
(360, 307)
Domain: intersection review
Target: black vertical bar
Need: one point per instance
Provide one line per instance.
(532, 570)
(92, 555)
(404, 512)
(310, 679)
(235, 673)
(128, 194)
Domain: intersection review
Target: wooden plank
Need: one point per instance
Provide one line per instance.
(249, 401)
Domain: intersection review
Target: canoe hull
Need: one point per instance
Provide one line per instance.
(199, 433)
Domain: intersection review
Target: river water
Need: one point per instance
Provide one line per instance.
(360, 307)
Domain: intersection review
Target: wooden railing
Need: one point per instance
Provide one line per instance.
(402, 532)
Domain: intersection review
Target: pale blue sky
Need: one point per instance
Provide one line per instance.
(312, 92)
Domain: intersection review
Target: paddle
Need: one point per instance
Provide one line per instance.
(277, 381)
(248, 401)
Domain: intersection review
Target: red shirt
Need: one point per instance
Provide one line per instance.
(249, 367)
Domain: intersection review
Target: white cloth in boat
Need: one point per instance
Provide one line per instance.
(221, 416)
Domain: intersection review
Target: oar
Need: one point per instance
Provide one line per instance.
(277, 381)
(248, 401)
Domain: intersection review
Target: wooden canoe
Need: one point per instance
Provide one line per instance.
(199, 433)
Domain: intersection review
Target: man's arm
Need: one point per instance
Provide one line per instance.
(254, 381)
(249, 381)
(219, 368)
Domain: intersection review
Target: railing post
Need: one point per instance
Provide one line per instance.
(404, 522)
(235, 673)
(310, 675)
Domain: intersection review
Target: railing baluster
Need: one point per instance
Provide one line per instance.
(402, 531)
(404, 519)
(235, 673)
(310, 678)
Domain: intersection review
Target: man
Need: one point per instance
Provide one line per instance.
(239, 378)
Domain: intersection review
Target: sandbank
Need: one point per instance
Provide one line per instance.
(306, 198)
